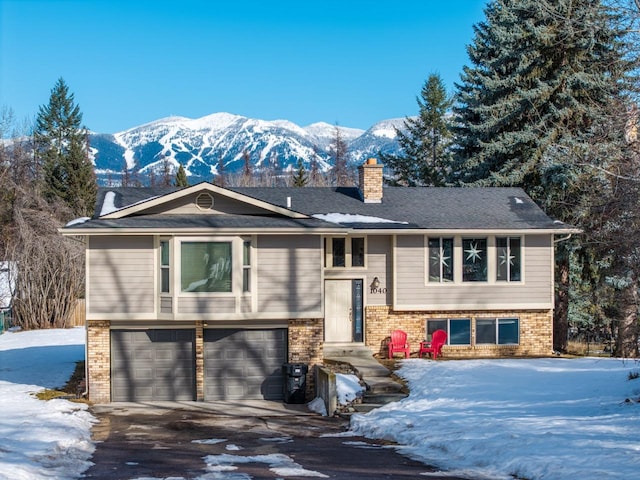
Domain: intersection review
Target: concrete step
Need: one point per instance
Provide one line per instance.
(382, 398)
(366, 367)
(380, 386)
(362, 408)
(347, 350)
(371, 402)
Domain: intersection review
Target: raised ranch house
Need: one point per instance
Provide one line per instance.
(203, 293)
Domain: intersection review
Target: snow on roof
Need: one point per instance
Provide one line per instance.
(109, 203)
(77, 221)
(351, 218)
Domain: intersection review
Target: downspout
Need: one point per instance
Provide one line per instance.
(86, 356)
(567, 237)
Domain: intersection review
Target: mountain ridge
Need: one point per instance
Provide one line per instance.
(203, 144)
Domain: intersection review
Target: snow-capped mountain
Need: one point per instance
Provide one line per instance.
(201, 145)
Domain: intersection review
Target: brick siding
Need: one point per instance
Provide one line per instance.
(306, 339)
(536, 332)
(99, 361)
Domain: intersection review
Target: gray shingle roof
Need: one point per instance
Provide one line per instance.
(420, 207)
(409, 207)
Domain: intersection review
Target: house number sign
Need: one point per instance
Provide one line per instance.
(376, 288)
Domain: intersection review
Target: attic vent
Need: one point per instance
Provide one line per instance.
(204, 201)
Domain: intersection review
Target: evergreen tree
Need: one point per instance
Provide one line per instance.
(181, 177)
(247, 169)
(426, 144)
(543, 72)
(316, 178)
(62, 147)
(221, 177)
(166, 172)
(339, 151)
(534, 109)
(300, 177)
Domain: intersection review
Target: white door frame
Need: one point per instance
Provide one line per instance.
(339, 312)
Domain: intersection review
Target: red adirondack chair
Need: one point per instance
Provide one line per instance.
(398, 343)
(434, 347)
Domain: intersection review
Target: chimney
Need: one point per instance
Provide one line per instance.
(370, 180)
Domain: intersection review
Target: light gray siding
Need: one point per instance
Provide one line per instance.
(121, 275)
(289, 274)
(379, 264)
(534, 292)
(206, 304)
(166, 305)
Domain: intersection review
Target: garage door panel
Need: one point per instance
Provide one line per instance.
(244, 364)
(152, 365)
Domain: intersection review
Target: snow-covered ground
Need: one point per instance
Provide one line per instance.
(38, 439)
(536, 419)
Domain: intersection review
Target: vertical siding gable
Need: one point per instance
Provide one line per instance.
(221, 205)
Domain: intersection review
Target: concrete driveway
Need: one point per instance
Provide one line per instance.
(232, 441)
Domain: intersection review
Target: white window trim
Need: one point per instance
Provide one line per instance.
(236, 266)
(348, 253)
(458, 261)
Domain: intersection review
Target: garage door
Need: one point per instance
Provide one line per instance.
(152, 365)
(244, 364)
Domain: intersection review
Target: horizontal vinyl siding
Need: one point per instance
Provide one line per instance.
(410, 289)
(535, 291)
(206, 304)
(379, 265)
(121, 275)
(289, 274)
(166, 305)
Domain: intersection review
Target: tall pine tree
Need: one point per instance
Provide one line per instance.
(62, 147)
(532, 106)
(300, 177)
(543, 72)
(339, 150)
(181, 177)
(426, 143)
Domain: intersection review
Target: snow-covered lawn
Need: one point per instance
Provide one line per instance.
(537, 419)
(38, 439)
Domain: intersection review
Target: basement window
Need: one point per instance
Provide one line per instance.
(498, 331)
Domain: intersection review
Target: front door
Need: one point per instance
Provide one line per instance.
(343, 311)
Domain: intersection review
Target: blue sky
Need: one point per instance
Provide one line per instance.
(129, 62)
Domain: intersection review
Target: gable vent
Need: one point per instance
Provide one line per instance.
(204, 201)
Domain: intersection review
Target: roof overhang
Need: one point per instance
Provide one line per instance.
(139, 207)
(74, 232)
(324, 230)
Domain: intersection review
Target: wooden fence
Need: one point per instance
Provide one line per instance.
(78, 315)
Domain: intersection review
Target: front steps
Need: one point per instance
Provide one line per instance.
(381, 387)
